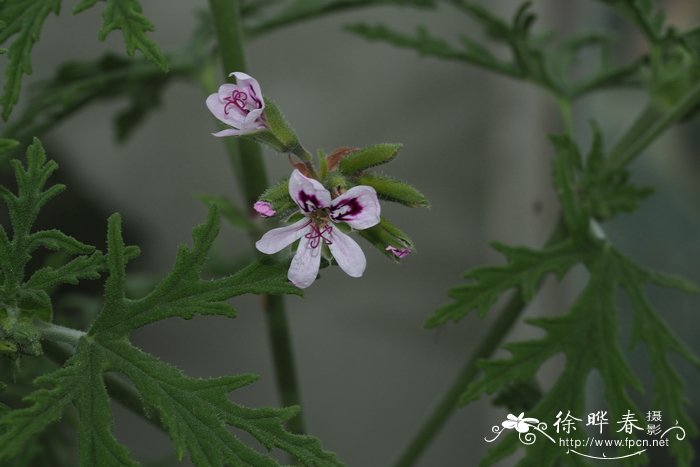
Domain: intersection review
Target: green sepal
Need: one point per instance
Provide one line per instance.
(336, 183)
(280, 128)
(278, 196)
(390, 189)
(386, 234)
(369, 157)
(322, 164)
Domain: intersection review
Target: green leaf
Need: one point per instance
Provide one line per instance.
(57, 240)
(390, 189)
(300, 10)
(182, 293)
(23, 20)
(196, 413)
(7, 145)
(588, 338)
(45, 406)
(644, 14)
(29, 295)
(546, 63)
(428, 45)
(77, 84)
(651, 331)
(229, 211)
(368, 157)
(525, 270)
(127, 16)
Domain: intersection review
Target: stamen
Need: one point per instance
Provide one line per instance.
(316, 235)
(236, 98)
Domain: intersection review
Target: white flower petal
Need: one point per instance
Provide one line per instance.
(216, 107)
(347, 253)
(305, 264)
(277, 239)
(308, 193)
(358, 207)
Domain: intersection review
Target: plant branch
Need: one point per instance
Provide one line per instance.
(649, 125)
(249, 168)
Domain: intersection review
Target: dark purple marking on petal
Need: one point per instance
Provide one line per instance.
(346, 210)
(309, 203)
(254, 96)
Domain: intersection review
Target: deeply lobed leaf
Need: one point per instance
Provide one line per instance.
(525, 270)
(127, 15)
(23, 20)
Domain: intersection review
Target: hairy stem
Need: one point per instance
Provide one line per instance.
(249, 168)
(57, 333)
(444, 408)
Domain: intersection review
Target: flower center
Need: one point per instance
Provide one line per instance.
(239, 99)
(319, 232)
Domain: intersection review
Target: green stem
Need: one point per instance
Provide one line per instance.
(442, 411)
(57, 333)
(566, 115)
(278, 332)
(249, 168)
(651, 123)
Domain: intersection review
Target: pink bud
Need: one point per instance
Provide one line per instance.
(399, 252)
(264, 208)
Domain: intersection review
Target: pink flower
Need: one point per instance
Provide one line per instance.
(399, 252)
(264, 208)
(239, 106)
(358, 207)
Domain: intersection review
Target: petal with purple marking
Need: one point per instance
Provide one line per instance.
(305, 264)
(358, 207)
(308, 193)
(347, 253)
(277, 239)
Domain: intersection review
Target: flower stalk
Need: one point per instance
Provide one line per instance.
(249, 169)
